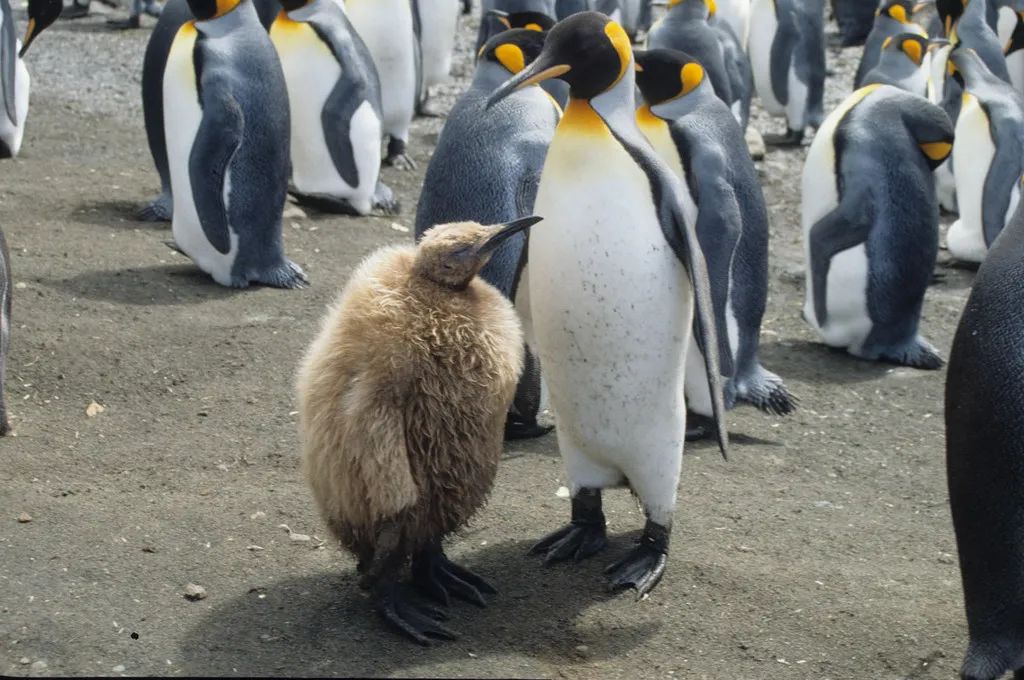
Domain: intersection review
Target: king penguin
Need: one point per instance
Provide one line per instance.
(984, 465)
(966, 25)
(506, 7)
(613, 352)
(14, 78)
(175, 13)
(686, 124)
(496, 21)
(787, 54)
(227, 128)
(903, 63)
(334, 95)
(988, 157)
(870, 223)
(892, 18)
(387, 28)
(438, 22)
(486, 168)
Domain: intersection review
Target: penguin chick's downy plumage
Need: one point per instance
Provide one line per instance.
(402, 402)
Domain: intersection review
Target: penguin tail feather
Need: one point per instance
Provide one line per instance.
(766, 391)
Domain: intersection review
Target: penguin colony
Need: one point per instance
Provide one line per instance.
(635, 309)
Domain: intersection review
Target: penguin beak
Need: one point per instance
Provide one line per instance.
(540, 70)
(500, 16)
(30, 35)
(505, 231)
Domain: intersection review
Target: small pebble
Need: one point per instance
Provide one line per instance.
(563, 492)
(24, 661)
(39, 666)
(582, 649)
(24, 518)
(119, 668)
(194, 592)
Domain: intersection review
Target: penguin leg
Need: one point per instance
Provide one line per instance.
(385, 201)
(438, 578)
(644, 566)
(583, 537)
(130, 23)
(699, 427)
(521, 422)
(428, 107)
(790, 139)
(397, 157)
(161, 209)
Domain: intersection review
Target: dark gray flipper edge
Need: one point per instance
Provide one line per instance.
(8, 59)
(846, 226)
(217, 140)
(1003, 174)
(781, 57)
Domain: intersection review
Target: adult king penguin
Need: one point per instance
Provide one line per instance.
(387, 28)
(892, 18)
(902, 64)
(984, 463)
(611, 288)
(686, 124)
(497, 21)
(870, 223)
(226, 124)
(988, 156)
(14, 78)
(334, 95)
(486, 168)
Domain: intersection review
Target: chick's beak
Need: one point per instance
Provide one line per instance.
(540, 70)
(505, 231)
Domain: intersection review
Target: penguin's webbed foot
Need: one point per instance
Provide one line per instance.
(584, 537)
(131, 22)
(699, 427)
(288, 275)
(384, 200)
(518, 428)
(159, 210)
(420, 623)
(917, 354)
(437, 577)
(791, 138)
(397, 157)
(644, 566)
(429, 108)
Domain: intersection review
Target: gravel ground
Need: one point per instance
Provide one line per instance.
(823, 549)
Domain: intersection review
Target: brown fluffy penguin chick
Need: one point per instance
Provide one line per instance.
(402, 403)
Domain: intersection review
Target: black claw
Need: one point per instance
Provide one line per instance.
(644, 566)
(699, 427)
(519, 429)
(417, 622)
(584, 537)
(440, 579)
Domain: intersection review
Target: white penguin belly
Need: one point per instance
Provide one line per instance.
(737, 14)
(439, 21)
(762, 34)
(611, 307)
(182, 116)
(973, 151)
(1015, 65)
(386, 28)
(10, 133)
(796, 106)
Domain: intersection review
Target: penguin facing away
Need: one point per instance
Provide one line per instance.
(686, 125)
(175, 13)
(902, 63)
(334, 96)
(386, 27)
(402, 400)
(227, 130)
(892, 18)
(486, 168)
(870, 223)
(613, 353)
(14, 78)
(787, 54)
(984, 429)
(988, 157)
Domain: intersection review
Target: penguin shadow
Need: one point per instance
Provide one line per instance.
(167, 284)
(324, 625)
(819, 364)
(115, 214)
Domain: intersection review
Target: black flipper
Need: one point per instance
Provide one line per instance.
(848, 225)
(341, 104)
(1003, 173)
(8, 59)
(217, 140)
(782, 55)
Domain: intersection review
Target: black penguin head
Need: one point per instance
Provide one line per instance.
(587, 50)
(950, 12)
(204, 10)
(534, 21)
(292, 5)
(662, 75)
(41, 14)
(514, 49)
(450, 255)
(900, 10)
(912, 45)
(965, 66)
(702, 8)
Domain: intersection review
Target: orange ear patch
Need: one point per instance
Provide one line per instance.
(511, 57)
(620, 41)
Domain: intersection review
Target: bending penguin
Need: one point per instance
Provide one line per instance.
(227, 126)
(988, 157)
(787, 54)
(14, 78)
(174, 14)
(984, 467)
(387, 28)
(334, 96)
(902, 64)
(686, 124)
(402, 397)
(486, 168)
(613, 352)
(870, 223)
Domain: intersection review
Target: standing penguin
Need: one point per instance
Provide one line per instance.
(686, 124)
(902, 64)
(984, 429)
(174, 14)
(892, 18)
(402, 399)
(613, 351)
(787, 53)
(226, 125)
(334, 95)
(386, 26)
(967, 26)
(736, 13)
(486, 168)
(988, 157)
(14, 78)
(438, 21)
(870, 223)
(499, 21)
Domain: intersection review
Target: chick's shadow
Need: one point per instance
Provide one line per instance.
(324, 625)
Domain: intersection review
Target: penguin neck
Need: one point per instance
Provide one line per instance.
(615, 107)
(489, 75)
(220, 25)
(308, 11)
(689, 10)
(674, 109)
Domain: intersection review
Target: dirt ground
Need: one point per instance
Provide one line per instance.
(822, 549)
